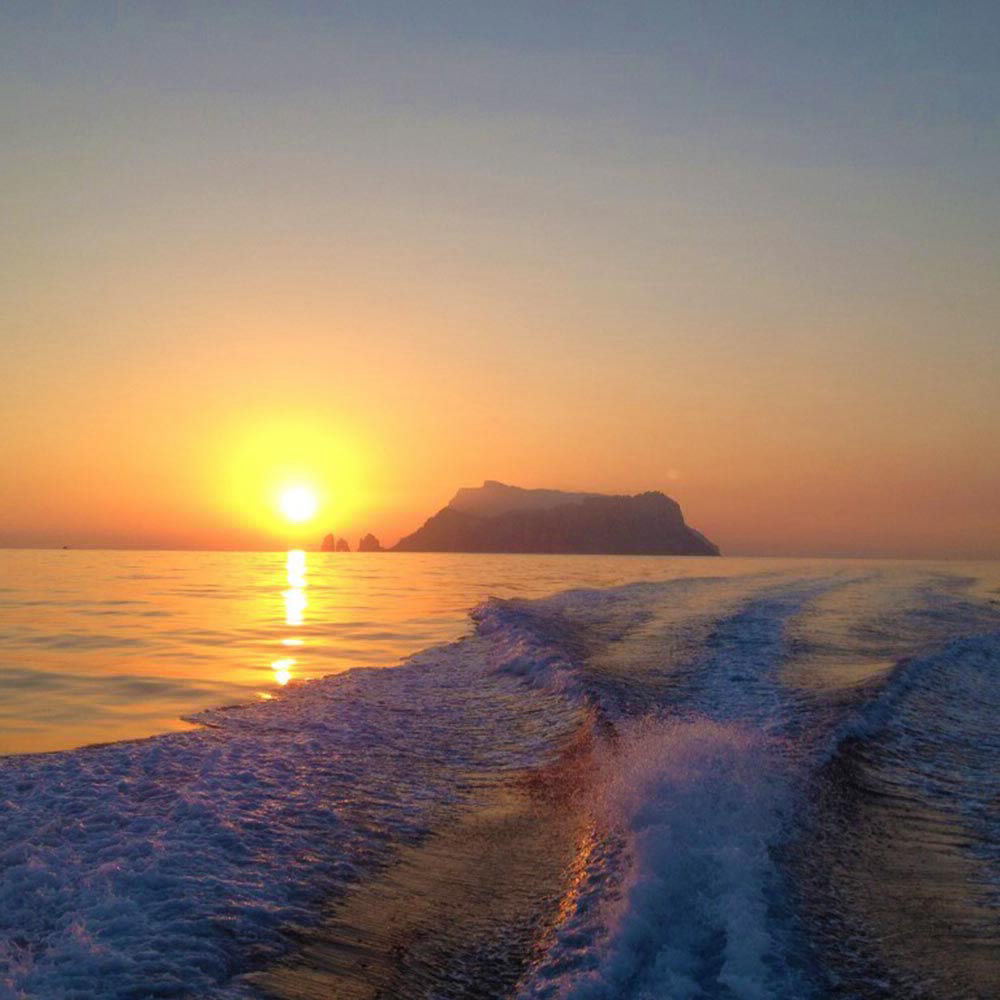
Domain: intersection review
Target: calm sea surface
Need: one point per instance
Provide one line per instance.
(98, 646)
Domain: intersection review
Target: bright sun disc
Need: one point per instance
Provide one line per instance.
(298, 503)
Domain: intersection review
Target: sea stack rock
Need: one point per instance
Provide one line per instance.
(329, 544)
(500, 518)
(370, 544)
(342, 545)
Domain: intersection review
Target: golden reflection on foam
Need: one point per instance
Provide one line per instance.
(585, 848)
(292, 642)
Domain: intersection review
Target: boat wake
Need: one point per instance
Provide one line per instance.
(709, 787)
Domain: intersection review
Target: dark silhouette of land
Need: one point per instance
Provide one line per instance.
(500, 518)
(334, 544)
(370, 544)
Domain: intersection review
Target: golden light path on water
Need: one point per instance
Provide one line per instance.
(295, 606)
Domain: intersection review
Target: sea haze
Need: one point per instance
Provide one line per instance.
(694, 778)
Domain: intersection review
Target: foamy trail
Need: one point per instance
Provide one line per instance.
(671, 732)
(699, 804)
(696, 797)
(690, 809)
(181, 862)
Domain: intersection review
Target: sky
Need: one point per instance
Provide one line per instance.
(742, 253)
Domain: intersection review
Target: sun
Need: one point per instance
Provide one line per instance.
(298, 503)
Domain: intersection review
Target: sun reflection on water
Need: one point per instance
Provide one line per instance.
(283, 670)
(296, 568)
(295, 606)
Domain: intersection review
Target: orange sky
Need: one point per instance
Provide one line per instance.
(390, 260)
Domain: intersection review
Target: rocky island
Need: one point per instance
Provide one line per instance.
(369, 543)
(496, 517)
(333, 544)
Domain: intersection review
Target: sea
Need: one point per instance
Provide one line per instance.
(377, 775)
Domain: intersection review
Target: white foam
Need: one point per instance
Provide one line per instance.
(696, 802)
(695, 805)
(172, 864)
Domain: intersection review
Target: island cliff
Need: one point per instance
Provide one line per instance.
(500, 518)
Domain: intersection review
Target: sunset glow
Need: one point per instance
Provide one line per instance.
(401, 342)
(298, 504)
